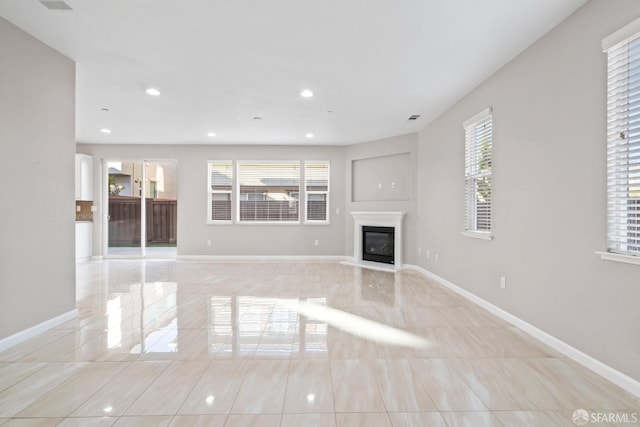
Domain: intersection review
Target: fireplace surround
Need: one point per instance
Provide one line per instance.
(377, 220)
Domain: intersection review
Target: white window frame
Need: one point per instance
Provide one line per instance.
(476, 169)
(326, 192)
(211, 192)
(623, 145)
(237, 189)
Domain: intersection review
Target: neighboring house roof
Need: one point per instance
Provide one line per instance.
(114, 171)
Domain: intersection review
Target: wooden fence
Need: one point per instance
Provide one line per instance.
(124, 221)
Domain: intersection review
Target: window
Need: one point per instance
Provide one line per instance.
(478, 163)
(623, 140)
(220, 185)
(268, 191)
(316, 178)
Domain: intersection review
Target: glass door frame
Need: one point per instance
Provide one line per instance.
(143, 202)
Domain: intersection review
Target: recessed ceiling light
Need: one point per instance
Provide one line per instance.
(306, 93)
(211, 135)
(257, 118)
(309, 135)
(153, 91)
(105, 130)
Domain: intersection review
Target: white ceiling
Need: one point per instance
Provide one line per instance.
(219, 63)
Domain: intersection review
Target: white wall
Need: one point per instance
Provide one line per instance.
(234, 239)
(549, 211)
(37, 183)
(335, 239)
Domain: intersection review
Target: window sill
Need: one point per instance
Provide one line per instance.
(267, 223)
(477, 235)
(277, 223)
(611, 256)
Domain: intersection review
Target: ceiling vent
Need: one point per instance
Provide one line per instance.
(55, 5)
(414, 117)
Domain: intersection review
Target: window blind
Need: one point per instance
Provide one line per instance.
(316, 177)
(220, 185)
(269, 191)
(478, 164)
(623, 146)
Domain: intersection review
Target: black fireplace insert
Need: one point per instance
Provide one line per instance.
(378, 244)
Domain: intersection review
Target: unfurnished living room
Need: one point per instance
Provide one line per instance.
(320, 213)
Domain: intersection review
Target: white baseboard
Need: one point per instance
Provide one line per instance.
(379, 266)
(261, 257)
(235, 258)
(606, 371)
(33, 331)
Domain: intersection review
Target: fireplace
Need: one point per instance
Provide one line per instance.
(378, 244)
(380, 225)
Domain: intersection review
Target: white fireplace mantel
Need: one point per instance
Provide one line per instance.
(377, 219)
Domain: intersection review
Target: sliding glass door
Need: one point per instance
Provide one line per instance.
(142, 208)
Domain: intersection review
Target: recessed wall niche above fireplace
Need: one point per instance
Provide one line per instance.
(382, 248)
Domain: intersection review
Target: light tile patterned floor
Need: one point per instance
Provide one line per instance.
(185, 343)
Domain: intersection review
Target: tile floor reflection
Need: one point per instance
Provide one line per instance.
(185, 343)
